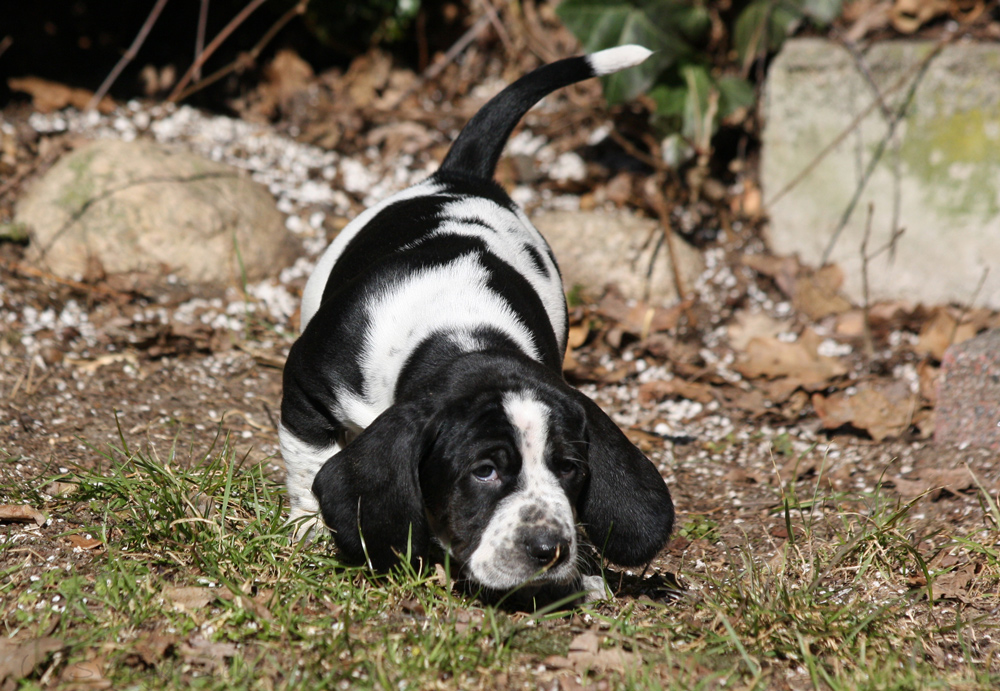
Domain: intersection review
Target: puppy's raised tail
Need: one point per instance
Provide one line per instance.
(481, 141)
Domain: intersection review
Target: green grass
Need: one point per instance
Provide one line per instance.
(832, 609)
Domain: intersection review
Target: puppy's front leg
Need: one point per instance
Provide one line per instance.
(302, 462)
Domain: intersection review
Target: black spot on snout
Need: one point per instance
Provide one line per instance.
(531, 514)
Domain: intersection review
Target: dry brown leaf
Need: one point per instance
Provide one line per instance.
(150, 648)
(577, 336)
(850, 324)
(86, 674)
(60, 489)
(19, 659)
(814, 292)
(749, 202)
(569, 361)
(48, 96)
(954, 585)
(585, 655)
(191, 598)
(84, 542)
(883, 411)
(646, 441)
(870, 17)
(656, 391)
(783, 270)
(941, 331)
(284, 77)
(934, 481)
(929, 376)
(257, 605)
(21, 513)
(817, 292)
(909, 15)
(641, 319)
(779, 390)
(747, 326)
(287, 74)
(366, 76)
(684, 357)
(400, 137)
(799, 361)
(752, 401)
(205, 653)
(619, 189)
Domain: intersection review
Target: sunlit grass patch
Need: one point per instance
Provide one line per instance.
(171, 573)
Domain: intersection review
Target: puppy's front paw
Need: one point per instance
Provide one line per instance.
(307, 524)
(593, 589)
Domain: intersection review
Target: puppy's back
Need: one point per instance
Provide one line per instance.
(466, 173)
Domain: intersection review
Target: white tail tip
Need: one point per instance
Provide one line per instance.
(616, 59)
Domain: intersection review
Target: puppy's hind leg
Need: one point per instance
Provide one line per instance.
(302, 462)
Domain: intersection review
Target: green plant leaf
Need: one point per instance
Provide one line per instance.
(822, 12)
(667, 27)
(734, 93)
(763, 26)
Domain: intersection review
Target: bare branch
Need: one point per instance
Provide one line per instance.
(130, 54)
(199, 39)
(250, 56)
(213, 46)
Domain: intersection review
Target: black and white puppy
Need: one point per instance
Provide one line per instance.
(424, 402)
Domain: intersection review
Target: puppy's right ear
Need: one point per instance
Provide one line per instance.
(369, 492)
(625, 507)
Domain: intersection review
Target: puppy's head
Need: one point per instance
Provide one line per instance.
(499, 468)
(502, 483)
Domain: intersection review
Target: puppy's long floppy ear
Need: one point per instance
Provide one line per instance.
(626, 507)
(369, 493)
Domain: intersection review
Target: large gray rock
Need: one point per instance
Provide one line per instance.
(948, 156)
(123, 207)
(968, 400)
(596, 248)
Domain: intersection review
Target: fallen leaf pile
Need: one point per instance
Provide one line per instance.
(827, 358)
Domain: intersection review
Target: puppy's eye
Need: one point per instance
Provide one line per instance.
(486, 472)
(566, 469)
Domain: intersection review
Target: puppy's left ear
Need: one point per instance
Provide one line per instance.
(369, 492)
(625, 507)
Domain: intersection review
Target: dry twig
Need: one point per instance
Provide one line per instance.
(129, 55)
(880, 149)
(248, 58)
(213, 46)
(199, 39)
(968, 305)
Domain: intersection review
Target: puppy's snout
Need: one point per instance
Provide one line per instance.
(547, 549)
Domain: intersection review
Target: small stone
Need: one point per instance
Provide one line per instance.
(968, 401)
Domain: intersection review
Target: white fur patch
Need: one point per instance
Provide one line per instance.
(617, 59)
(302, 462)
(312, 295)
(453, 298)
(511, 232)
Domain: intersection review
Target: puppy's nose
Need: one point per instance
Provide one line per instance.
(547, 549)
